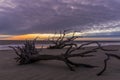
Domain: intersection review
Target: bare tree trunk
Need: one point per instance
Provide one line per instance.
(29, 54)
(66, 60)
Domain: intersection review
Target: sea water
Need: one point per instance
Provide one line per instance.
(4, 45)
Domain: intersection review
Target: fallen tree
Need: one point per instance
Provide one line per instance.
(28, 54)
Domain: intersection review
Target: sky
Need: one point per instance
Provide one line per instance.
(20, 19)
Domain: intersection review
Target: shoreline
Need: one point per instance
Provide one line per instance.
(45, 45)
(39, 46)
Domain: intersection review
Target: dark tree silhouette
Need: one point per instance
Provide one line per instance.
(62, 41)
(29, 54)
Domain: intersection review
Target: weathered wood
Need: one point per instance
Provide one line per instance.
(62, 41)
(28, 53)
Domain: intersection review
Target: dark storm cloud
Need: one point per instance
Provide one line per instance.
(46, 16)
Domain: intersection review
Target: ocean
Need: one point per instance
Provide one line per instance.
(4, 44)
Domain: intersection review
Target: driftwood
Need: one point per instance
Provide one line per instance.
(62, 41)
(29, 54)
(105, 62)
(26, 51)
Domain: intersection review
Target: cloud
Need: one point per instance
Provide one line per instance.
(47, 16)
(104, 34)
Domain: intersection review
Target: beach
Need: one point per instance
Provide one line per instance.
(57, 70)
(59, 39)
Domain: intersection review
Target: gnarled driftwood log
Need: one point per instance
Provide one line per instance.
(29, 54)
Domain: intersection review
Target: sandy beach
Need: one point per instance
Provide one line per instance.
(56, 70)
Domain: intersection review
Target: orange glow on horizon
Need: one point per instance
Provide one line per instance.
(28, 37)
(47, 36)
(31, 36)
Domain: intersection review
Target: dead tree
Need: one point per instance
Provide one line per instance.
(62, 41)
(29, 54)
